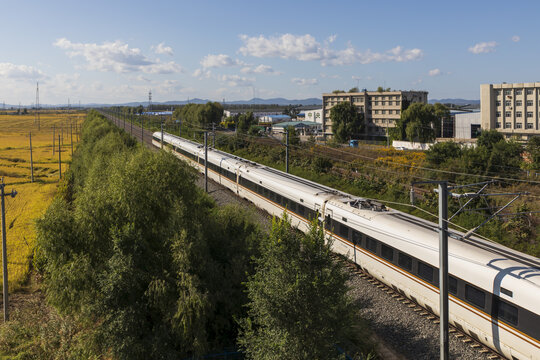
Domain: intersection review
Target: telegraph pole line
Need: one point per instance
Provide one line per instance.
(53, 139)
(4, 247)
(31, 160)
(59, 159)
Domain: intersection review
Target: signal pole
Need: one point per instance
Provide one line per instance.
(31, 160)
(53, 139)
(4, 247)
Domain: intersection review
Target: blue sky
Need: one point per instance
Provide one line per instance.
(116, 51)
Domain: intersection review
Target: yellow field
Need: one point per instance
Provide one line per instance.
(32, 198)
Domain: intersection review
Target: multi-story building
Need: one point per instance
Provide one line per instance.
(512, 109)
(381, 109)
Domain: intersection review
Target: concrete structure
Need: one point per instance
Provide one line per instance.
(381, 109)
(512, 109)
(467, 125)
(301, 127)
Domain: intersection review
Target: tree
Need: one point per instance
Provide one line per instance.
(417, 122)
(294, 138)
(489, 138)
(354, 90)
(299, 307)
(443, 115)
(244, 122)
(338, 91)
(441, 152)
(380, 89)
(346, 121)
(533, 151)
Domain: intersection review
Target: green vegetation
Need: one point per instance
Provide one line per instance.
(199, 115)
(282, 323)
(347, 122)
(139, 263)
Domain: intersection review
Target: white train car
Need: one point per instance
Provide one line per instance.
(494, 292)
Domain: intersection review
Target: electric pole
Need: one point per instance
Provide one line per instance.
(206, 161)
(4, 247)
(286, 150)
(59, 159)
(31, 160)
(53, 139)
(71, 135)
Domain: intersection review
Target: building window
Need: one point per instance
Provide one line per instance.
(507, 125)
(529, 114)
(497, 125)
(389, 103)
(498, 92)
(518, 113)
(529, 125)
(529, 91)
(383, 111)
(376, 111)
(383, 103)
(498, 103)
(519, 103)
(518, 125)
(398, 111)
(507, 92)
(507, 114)
(507, 103)
(390, 111)
(519, 92)
(397, 102)
(498, 114)
(529, 103)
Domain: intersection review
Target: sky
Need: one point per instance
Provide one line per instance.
(117, 51)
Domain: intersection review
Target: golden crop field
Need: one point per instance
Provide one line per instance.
(15, 167)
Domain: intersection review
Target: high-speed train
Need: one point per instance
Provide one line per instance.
(494, 291)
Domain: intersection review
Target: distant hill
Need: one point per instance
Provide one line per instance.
(273, 101)
(459, 102)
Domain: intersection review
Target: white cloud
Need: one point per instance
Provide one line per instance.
(161, 49)
(260, 69)
(483, 47)
(331, 38)
(434, 72)
(327, 76)
(307, 48)
(304, 82)
(14, 71)
(236, 80)
(219, 61)
(354, 77)
(200, 73)
(516, 38)
(116, 57)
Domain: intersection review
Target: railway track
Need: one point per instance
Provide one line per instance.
(420, 311)
(386, 351)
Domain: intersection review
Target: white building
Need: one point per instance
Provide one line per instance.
(314, 115)
(467, 125)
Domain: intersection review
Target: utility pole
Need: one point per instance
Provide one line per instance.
(142, 128)
(71, 134)
(286, 150)
(31, 160)
(4, 247)
(161, 133)
(213, 135)
(443, 263)
(59, 159)
(53, 139)
(206, 161)
(443, 267)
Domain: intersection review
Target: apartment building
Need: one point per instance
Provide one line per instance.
(512, 109)
(381, 109)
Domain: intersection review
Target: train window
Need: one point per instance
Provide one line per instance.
(356, 237)
(506, 292)
(475, 296)
(405, 261)
(506, 312)
(371, 244)
(343, 231)
(387, 252)
(279, 199)
(425, 271)
(452, 285)
(301, 210)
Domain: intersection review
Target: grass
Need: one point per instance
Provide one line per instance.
(32, 198)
